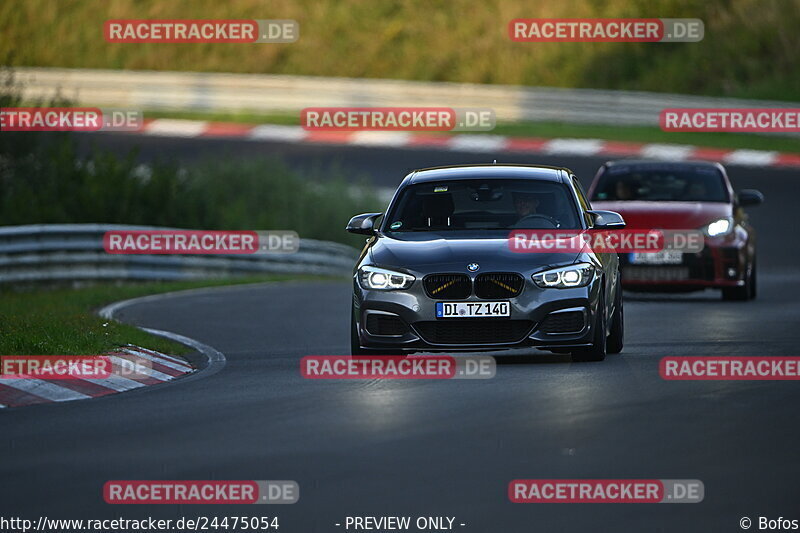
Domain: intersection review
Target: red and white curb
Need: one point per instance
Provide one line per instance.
(492, 144)
(160, 368)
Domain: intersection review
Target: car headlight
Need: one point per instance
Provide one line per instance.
(380, 279)
(723, 226)
(577, 275)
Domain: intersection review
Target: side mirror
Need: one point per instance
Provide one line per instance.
(607, 220)
(364, 224)
(749, 197)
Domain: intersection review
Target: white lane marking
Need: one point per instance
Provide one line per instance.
(667, 151)
(750, 157)
(45, 389)
(175, 128)
(124, 366)
(117, 383)
(182, 367)
(477, 143)
(216, 359)
(157, 355)
(573, 146)
(276, 132)
(380, 138)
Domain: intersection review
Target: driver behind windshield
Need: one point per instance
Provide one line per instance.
(525, 204)
(528, 216)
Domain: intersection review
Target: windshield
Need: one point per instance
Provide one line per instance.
(477, 204)
(661, 183)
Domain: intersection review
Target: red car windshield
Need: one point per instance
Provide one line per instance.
(661, 184)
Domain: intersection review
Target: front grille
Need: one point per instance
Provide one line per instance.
(656, 273)
(385, 325)
(448, 286)
(567, 322)
(701, 266)
(498, 285)
(473, 331)
(694, 267)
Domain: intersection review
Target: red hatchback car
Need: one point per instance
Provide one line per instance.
(690, 195)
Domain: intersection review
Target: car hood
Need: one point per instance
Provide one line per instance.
(433, 253)
(667, 215)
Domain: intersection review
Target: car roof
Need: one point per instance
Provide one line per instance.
(663, 162)
(488, 171)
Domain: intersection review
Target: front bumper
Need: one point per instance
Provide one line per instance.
(405, 320)
(721, 263)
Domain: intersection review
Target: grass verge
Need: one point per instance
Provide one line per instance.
(750, 47)
(64, 321)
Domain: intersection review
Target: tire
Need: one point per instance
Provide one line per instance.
(597, 351)
(355, 342)
(745, 292)
(616, 339)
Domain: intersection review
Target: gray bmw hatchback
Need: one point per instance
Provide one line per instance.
(437, 273)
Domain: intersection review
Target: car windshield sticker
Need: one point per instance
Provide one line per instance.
(396, 225)
(440, 188)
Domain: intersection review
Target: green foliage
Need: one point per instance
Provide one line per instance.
(750, 47)
(43, 179)
(50, 183)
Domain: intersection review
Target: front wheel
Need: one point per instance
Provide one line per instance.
(616, 338)
(355, 342)
(597, 351)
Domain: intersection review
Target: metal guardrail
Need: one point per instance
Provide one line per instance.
(194, 91)
(74, 252)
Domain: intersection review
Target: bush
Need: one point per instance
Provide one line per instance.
(44, 180)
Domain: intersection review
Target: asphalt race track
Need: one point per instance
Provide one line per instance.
(386, 167)
(440, 448)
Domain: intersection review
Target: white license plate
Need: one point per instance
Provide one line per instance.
(663, 257)
(472, 309)
(655, 273)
